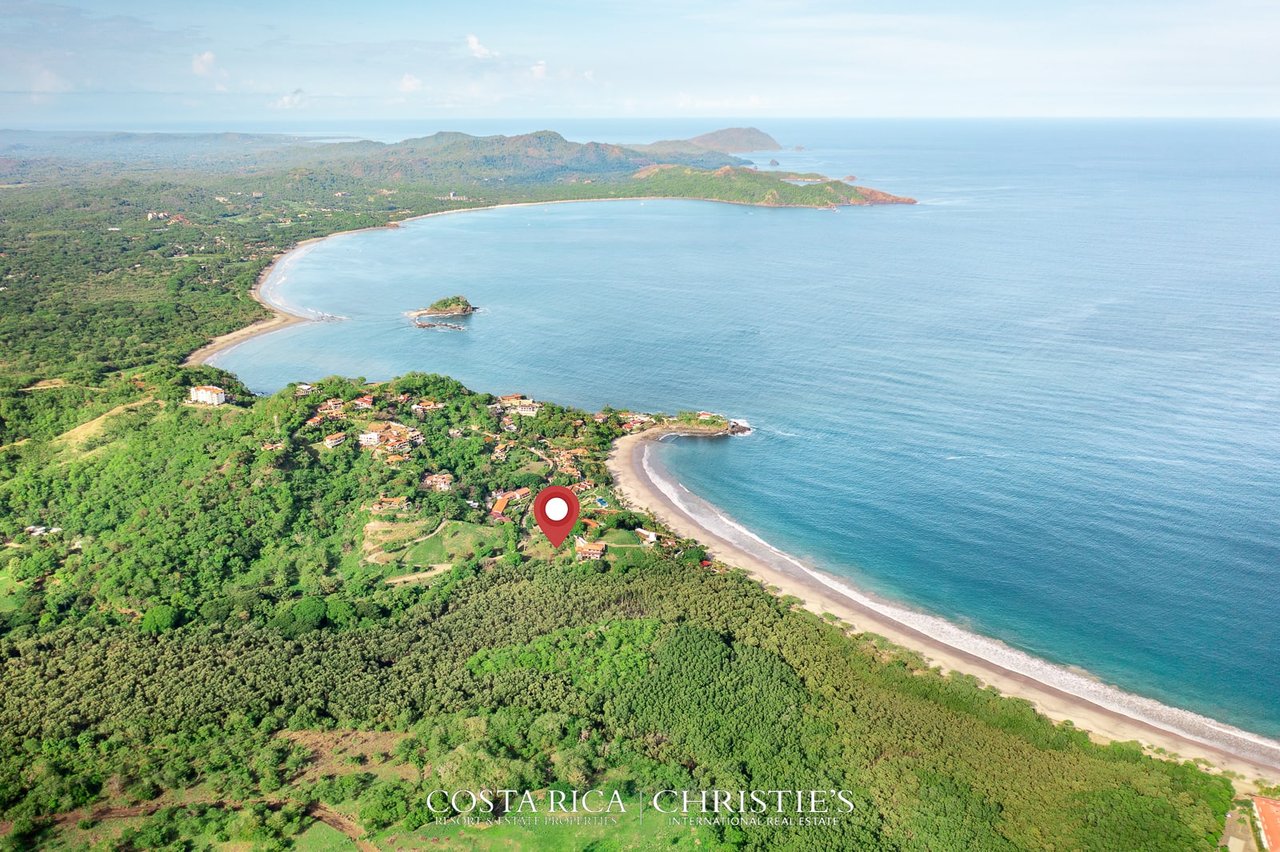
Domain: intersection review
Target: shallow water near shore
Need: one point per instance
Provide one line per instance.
(1044, 403)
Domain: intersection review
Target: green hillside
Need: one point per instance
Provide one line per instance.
(211, 624)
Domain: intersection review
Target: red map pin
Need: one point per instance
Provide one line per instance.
(556, 511)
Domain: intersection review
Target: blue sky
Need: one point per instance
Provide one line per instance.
(92, 64)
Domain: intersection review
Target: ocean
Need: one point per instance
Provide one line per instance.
(1043, 404)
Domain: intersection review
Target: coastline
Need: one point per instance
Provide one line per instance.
(1105, 712)
(281, 317)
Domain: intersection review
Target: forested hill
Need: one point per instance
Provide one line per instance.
(218, 624)
(728, 141)
(528, 158)
(734, 139)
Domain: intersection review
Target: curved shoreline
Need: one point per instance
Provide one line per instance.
(282, 317)
(1106, 712)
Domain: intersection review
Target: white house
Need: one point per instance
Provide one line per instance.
(208, 394)
(438, 481)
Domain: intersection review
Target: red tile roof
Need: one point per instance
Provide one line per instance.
(1269, 817)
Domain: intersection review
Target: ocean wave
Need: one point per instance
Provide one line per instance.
(278, 276)
(1072, 680)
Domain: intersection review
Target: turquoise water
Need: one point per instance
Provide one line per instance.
(1044, 403)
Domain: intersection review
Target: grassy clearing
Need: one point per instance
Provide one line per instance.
(75, 439)
(385, 540)
(8, 590)
(323, 838)
(347, 752)
(454, 542)
(98, 835)
(621, 538)
(419, 576)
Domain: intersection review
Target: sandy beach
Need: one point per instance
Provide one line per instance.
(1061, 694)
(280, 318)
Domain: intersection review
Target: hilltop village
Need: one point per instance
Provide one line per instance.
(525, 442)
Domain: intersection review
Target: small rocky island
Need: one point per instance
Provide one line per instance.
(449, 306)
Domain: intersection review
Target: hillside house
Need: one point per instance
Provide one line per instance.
(376, 434)
(438, 481)
(390, 504)
(208, 395)
(645, 536)
(588, 550)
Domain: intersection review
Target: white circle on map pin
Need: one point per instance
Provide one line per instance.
(556, 509)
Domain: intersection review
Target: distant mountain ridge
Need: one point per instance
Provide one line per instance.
(465, 167)
(727, 141)
(732, 140)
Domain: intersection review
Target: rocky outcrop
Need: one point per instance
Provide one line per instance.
(875, 196)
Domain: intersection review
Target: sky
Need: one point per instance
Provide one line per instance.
(127, 63)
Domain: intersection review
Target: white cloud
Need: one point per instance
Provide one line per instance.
(293, 100)
(202, 64)
(478, 50)
(539, 70)
(409, 83)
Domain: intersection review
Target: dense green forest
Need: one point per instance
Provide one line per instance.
(284, 621)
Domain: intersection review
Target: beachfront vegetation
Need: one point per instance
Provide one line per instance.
(216, 628)
(450, 304)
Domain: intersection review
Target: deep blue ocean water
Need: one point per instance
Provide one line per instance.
(1043, 403)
